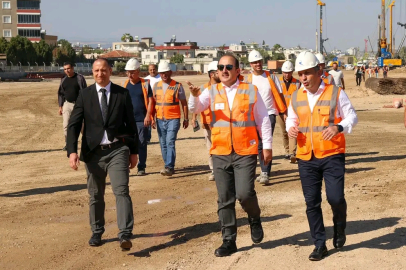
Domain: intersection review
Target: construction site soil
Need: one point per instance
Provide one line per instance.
(44, 203)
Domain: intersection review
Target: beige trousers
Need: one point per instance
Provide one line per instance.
(66, 112)
(288, 143)
(207, 138)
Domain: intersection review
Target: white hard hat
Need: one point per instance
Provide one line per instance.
(212, 66)
(254, 56)
(132, 64)
(306, 60)
(287, 67)
(321, 58)
(163, 66)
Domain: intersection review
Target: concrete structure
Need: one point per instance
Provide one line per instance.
(151, 57)
(130, 47)
(173, 47)
(240, 50)
(209, 52)
(351, 51)
(292, 53)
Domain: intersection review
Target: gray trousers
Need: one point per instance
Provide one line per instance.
(115, 162)
(235, 180)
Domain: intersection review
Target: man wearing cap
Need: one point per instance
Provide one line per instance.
(143, 104)
(206, 115)
(271, 95)
(238, 114)
(289, 85)
(327, 78)
(319, 115)
(168, 93)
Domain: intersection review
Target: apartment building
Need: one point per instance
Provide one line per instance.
(21, 17)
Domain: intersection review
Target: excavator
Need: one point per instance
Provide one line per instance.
(385, 52)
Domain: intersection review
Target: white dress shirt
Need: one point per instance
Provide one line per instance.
(202, 102)
(105, 139)
(345, 110)
(264, 89)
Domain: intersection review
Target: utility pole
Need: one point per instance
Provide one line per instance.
(317, 42)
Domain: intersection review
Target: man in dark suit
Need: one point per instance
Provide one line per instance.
(107, 113)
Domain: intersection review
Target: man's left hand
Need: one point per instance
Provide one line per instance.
(133, 161)
(185, 124)
(267, 156)
(329, 133)
(147, 120)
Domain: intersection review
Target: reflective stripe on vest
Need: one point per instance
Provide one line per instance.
(233, 128)
(167, 105)
(312, 124)
(287, 93)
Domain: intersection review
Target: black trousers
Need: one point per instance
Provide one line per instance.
(235, 180)
(358, 79)
(312, 172)
(265, 168)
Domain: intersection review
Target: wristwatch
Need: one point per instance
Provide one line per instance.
(340, 128)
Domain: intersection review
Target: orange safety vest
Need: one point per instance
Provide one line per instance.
(311, 124)
(167, 106)
(241, 78)
(287, 93)
(144, 84)
(280, 104)
(327, 78)
(233, 128)
(206, 115)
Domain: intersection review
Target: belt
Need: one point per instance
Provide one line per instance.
(108, 146)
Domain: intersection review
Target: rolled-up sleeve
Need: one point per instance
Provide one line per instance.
(263, 123)
(347, 112)
(292, 120)
(199, 104)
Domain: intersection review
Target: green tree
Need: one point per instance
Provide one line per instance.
(177, 59)
(3, 45)
(244, 60)
(329, 58)
(43, 51)
(402, 54)
(278, 56)
(21, 50)
(80, 58)
(64, 52)
(276, 47)
(127, 36)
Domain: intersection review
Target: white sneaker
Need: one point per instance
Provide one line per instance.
(264, 178)
(211, 177)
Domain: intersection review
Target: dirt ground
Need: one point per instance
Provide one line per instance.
(44, 203)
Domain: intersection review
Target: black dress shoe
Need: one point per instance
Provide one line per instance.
(125, 243)
(339, 236)
(257, 233)
(64, 148)
(226, 249)
(95, 240)
(318, 253)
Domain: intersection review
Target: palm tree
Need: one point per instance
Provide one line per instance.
(127, 38)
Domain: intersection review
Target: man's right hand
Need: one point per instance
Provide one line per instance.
(293, 132)
(74, 161)
(267, 156)
(60, 111)
(194, 90)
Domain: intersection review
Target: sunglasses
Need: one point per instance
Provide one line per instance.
(228, 67)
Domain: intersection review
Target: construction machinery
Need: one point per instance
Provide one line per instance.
(322, 49)
(386, 56)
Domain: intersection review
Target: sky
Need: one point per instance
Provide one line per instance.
(211, 22)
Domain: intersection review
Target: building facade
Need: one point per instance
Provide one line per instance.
(23, 18)
(151, 57)
(173, 47)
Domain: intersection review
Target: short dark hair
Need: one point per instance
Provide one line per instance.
(103, 60)
(236, 62)
(68, 64)
(155, 65)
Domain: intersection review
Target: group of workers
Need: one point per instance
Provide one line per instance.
(238, 117)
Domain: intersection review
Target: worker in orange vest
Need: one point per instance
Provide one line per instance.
(271, 95)
(327, 78)
(318, 116)
(238, 114)
(143, 104)
(206, 115)
(168, 93)
(289, 86)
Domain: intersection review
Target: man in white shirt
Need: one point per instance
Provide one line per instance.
(318, 117)
(238, 116)
(274, 103)
(153, 78)
(338, 76)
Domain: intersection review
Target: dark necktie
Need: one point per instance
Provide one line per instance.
(104, 106)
